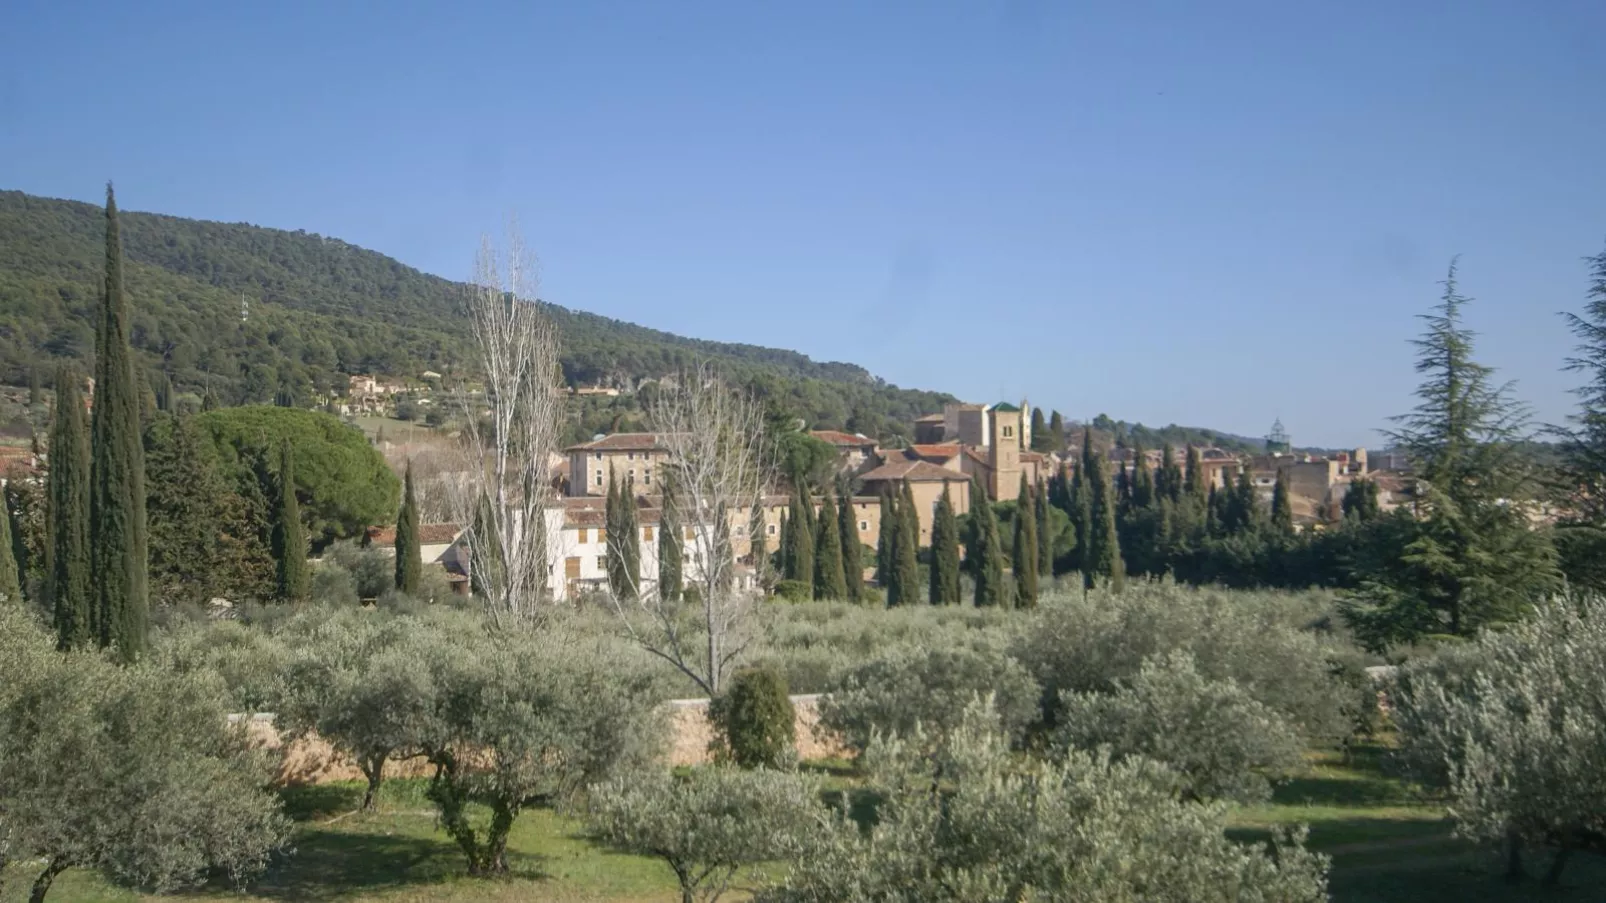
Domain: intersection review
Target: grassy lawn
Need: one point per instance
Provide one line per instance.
(1389, 845)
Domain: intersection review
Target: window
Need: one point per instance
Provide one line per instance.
(585, 536)
(599, 456)
(646, 476)
(632, 473)
(646, 534)
(770, 528)
(690, 534)
(599, 478)
(739, 530)
(602, 535)
(864, 526)
(1009, 431)
(602, 562)
(630, 456)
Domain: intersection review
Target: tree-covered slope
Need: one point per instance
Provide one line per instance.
(320, 308)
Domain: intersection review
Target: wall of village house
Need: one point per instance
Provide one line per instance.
(592, 472)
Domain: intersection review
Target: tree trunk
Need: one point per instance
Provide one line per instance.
(495, 856)
(1553, 874)
(373, 768)
(41, 885)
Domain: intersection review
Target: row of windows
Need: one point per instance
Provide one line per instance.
(646, 476)
(629, 456)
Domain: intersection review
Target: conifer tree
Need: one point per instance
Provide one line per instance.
(289, 535)
(671, 546)
(1123, 487)
(1282, 506)
(886, 539)
(829, 582)
(1360, 501)
(1583, 446)
(10, 574)
(1056, 428)
(1041, 440)
(1193, 479)
(848, 539)
(1082, 518)
(67, 567)
(985, 554)
(788, 560)
(1104, 549)
(1142, 479)
(409, 557)
(629, 539)
(1024, 552)
(758, 543)
(906, 560)
(612, 559)
(802, 538)
(1045, 542)
(1168, 482)
(944, 552)
(205, 538)
(117, 539)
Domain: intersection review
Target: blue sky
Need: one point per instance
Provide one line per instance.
(1203, 213)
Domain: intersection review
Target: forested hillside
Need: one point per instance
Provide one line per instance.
(320, 308)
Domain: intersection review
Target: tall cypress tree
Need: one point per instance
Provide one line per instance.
(1082, 518)
(848, 539)
(409, 557)
(1024, 552)
(613, 560)
(1193, 478)
(788, 543)
(117, 541)
(1041, 440)
(886, 540)
(68, 569)
(985, 554)
(829, 582)
(1104, 553)
(945, 552)
(289, 536)
(1045, 542)
(758, 547)
(1168, 482)
(802, 523)
(670, 548)
(1282, 507)
(10, 574)
(906, 558)
(1056, 428)
(1142, 479)
(629, 539)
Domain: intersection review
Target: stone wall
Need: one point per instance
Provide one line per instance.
(311, 760)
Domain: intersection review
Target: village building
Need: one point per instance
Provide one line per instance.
(856, 452)
(633, 457)
(926, 483)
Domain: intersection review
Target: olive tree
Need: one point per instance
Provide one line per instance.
(709, 824)
(999, 827)
(1514, 728)
(524, 719)
(1222, 742)
(134, 772)
(929, 687)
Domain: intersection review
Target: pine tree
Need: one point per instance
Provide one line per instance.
(886, 540)
(848, 539)
(1045, 542)
(906, 558)
(1193, 478)
(1282, 506)
(1024, 552)
(1583, 447)
(289, 535)
(671, 548)
(944, 552)
(409, 557)
(802, 522)
(985, 553)
(1041, 440)
(1104, 549)
(67, 554)
(829, 582)
(117, 540)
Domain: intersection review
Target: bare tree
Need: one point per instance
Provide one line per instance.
(716, 463)
(509, 434)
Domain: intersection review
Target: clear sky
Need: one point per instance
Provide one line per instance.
(1209, 213)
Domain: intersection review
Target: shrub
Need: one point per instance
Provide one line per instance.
(929, 687)
(709, 824)
(1083, 829)
(250, 661)
(371, 569)
(1219, 739)
(333, 584)
(794, 590)
(754, 723)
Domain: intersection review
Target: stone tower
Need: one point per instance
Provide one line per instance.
(1003, 450)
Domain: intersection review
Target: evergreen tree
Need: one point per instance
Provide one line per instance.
(1142, 479)
(1082, 519)
(1240, 507)
(671, 547)
(67, 553)
(944, 553)
(829, 582)
(628, 539)
(201, 541)
(788, 544)
(613, 560)
(1168, 480)
(1193, 478)
(886, 539)
(758, 543)
(1103, 559)
(1024, 552)
(10, 574)
(117, 540)
(1583, 447)
(409, 557)
(802, 521)
(1470, 559)
(1056, 428)
(1282, 506)
(848, 539)
(985, 552)
(289, 535)
(1041, 440)
(1045, 541)
(1360, 501)
(36, 391)
(906, 559)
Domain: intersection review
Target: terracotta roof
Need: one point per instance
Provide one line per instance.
(935, 450)
(621, 442)
(839, 438)
(1031, 457)
(428, 534)
(914, 471)
(592, 511)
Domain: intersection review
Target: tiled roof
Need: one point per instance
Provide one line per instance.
(621, 442)
(428, 534)
(913, 471)
(839, 438)
(935, 450)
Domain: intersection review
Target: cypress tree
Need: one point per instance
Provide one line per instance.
(164, 393)
(1142, 480)
(886, 539)
(788, 543)
(36, 394)
(670, 549)
(1168, 482)
(758, 543)
(985, 554)
(630, 539)
(409, 558)
(289, 536)
(1041, 440)
(1045, 541)
(1282, 508)
(1104, 552)
(802, 538)
(945, 552)
(829, 582)
(1082, 519)
(201, 544)
(906, 557)
(848, 539)
(1193, 479)
(1056, 428)
(117, 541)
(613, 566)
(67, 553)
(1024, 553)
(1360, 501)
(10, 574)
